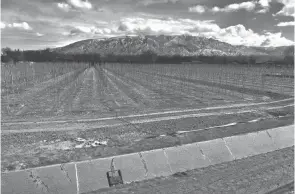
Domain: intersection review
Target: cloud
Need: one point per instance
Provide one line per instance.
(2, 25)
(198, 8)
(249, 6)
(65, 33)
(264, 4)
(39, 34)
(288, 8)
(159, 26)
(23, 25)
(265, 43)
(80, 31)
(239, 35)
(74, 32)
(150, 2)
(80, 4)
(235, 35)
(275, 39)
(64, 6)
(292, 23)
(88, 31)
(262, 11)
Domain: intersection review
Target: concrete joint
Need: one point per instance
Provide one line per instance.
(203, 154)
(268, 134)
(167, 159)
(144, 164)
(112, 167)
(65, 172)
(37, 180)
(225, 143)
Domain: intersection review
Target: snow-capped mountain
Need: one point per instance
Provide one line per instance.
(164, 45)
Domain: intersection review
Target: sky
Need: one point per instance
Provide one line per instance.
(39, 24)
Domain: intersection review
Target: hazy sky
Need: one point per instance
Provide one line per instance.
(34, 24)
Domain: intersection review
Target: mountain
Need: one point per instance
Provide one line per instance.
(163, 45)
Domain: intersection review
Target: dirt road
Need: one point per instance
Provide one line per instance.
(258, 174)
(180, 114)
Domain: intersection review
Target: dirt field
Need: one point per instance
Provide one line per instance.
(70, 113)
(270, 173)
(59, 91)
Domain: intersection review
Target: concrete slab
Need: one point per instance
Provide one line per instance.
(54, 179)
(186, 157)
(157, 163)
(242, 146)
(263, 143)
(260, 142)
(283, 136)
(17, 182)
(61, 179)
(216, 150)
(92, 174)
(131, 166)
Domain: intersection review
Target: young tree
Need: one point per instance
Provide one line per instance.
(5, 54)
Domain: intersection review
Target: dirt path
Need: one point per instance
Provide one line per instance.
(66, 95)
(142, 99)
(116, 121)
(84, 124)
(257, 174)
(103, 92)
(84, 96)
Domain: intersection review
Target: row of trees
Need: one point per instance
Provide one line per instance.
(47, 55)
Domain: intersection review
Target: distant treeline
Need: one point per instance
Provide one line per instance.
(47, 55)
